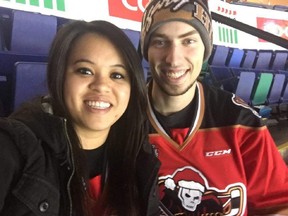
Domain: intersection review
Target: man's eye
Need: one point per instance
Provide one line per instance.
(84, 71)
(117, 76)
(188, 41)
(158, 43)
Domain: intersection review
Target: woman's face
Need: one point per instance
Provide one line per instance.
(97, 86)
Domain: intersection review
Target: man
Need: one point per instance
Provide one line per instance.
(217, 156)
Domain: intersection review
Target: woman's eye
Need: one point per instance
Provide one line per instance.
(117, 76)
(84, 71)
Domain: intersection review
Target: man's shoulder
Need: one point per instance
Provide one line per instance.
(229, 106)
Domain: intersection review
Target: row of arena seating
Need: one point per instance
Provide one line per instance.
(24, 37)
(249, 58)
(23, 59)
(259, 88)
(27, 32)
(259, 77)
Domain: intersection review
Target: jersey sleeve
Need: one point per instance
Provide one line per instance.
(266, 171)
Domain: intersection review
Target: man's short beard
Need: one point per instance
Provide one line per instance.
(170, 93)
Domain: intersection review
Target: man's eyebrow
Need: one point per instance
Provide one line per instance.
(193, 32)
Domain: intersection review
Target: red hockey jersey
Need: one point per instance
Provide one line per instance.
(228, 164)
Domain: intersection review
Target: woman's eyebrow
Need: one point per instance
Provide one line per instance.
(91, 62)
(83, 60)
(119, 65)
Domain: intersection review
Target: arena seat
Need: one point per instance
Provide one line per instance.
(236, 57)
(249, 58)
(29, 82)
(276, 90)
(32, 33)
(219, 56)
(223, 77)
(284, 96)
(245, 85)
(283, 108)
(261, 89)
(134, 36)
(7, 62)
(263, 59)
(280, 60)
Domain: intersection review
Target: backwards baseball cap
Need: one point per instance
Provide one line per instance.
(192, 12)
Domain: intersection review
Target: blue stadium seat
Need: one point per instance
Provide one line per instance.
(245, 85)
(276, 89)
(235, 57)
(32, 33)
(223, 77)
(284, 102)
(263, 59)
(284, 95)
(7, 62)
(134, 36)
(249, 58)
(280, 60)
(29, 82)
(219, 56)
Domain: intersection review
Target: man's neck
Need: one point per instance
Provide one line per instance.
(166, 104)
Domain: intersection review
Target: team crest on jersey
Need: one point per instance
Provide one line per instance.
(187, 192)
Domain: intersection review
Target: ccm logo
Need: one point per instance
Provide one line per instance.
(218, 153)
(127, 9)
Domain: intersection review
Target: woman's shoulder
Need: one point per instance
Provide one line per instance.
(15, 128)
(16, 141)
(17, 135)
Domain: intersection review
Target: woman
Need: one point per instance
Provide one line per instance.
(83, 149)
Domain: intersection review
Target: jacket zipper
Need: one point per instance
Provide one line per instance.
(70, 155)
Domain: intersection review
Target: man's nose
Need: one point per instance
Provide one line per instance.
(173, 55)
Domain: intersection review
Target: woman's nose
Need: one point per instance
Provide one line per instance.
(100, 84)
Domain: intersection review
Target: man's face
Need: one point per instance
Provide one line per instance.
(175, 54)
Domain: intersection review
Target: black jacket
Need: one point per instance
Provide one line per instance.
(36, 166)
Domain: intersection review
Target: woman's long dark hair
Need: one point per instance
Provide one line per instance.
(127, 135)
